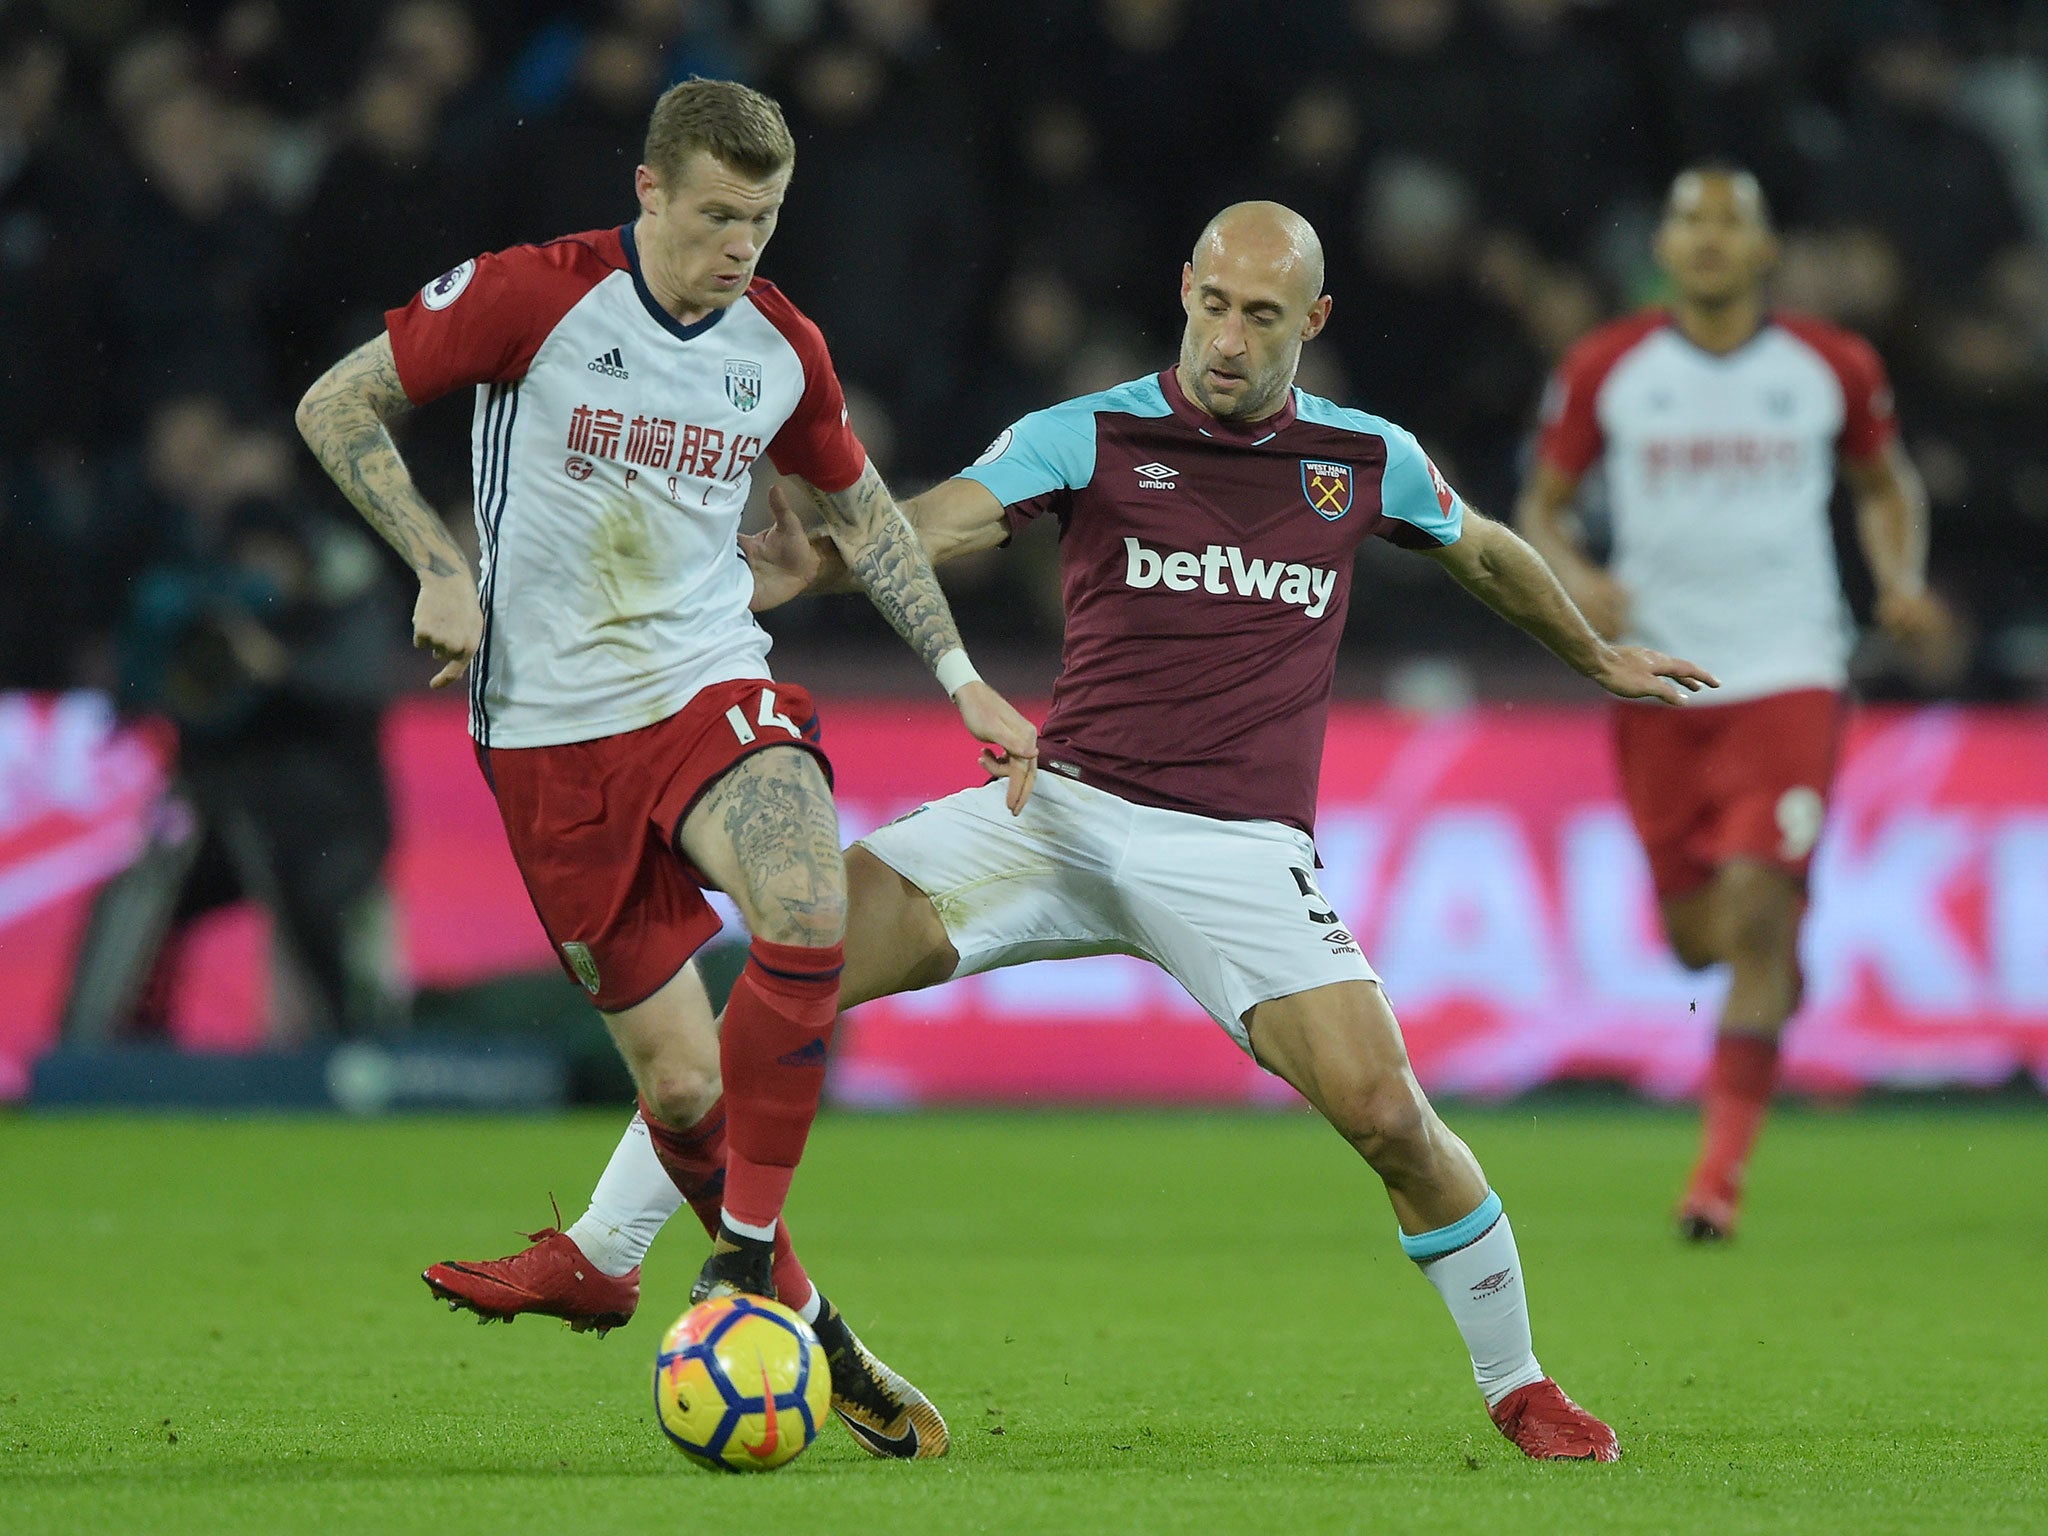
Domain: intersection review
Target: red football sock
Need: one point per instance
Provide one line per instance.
(1739, 1087)
(695, 1161)
(772, 1050)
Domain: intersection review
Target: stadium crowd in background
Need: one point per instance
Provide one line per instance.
(203, 203)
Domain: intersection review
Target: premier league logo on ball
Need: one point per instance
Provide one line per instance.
(742, 383)
(1327, 487)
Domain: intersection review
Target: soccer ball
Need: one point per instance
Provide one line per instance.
(740, 1384)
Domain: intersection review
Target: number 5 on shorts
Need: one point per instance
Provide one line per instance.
(768, 716)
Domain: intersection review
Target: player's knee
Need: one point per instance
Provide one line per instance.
(1762, 933)
(809, 913)
(1693, 950)
(680, 1093)
(1388, 1121)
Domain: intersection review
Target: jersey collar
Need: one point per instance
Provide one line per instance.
(1249, 432)
(662, 317)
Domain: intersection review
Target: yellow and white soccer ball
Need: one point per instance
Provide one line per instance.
(741, 1384)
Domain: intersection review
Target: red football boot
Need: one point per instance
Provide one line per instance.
(1548, 1426)
(1705, 1217)
(550, 1279)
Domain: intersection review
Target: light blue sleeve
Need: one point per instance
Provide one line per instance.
(1049, 450)
(1413, 491)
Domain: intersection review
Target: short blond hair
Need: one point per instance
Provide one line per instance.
(739, 127)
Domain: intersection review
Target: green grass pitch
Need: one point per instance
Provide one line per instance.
(1186, 1323)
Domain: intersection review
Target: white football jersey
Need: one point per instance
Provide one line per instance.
(613, 448)
(1719, 472)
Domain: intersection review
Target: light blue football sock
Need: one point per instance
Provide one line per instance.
(1475, 1268)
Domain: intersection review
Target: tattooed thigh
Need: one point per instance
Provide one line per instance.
(767, 835)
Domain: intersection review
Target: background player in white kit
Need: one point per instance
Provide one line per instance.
(626, 381)
(1721, 427)
(1209, 517)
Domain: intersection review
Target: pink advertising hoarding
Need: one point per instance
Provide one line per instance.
(1481, 857)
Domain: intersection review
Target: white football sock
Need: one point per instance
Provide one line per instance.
(740, 1228)
(1474, 1266)
(811, 1310)
(630, 1204)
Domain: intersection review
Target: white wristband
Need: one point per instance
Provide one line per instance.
(954, 671)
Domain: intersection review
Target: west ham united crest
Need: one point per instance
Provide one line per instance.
(1327, 487)
(742, 383)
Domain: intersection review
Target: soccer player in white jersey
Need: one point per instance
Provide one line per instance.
(626, 382)
(1209, 515)
(1721, 426)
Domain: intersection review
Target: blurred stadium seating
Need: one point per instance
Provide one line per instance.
(202, 204)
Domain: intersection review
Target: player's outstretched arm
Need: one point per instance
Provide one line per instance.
(1509, 577)
(342, 418)
(955, 517)
(883, 552)
(1543, 516)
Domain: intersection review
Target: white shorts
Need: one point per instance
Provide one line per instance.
(1229, 909)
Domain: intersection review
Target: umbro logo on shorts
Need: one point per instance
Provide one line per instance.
(610, 364)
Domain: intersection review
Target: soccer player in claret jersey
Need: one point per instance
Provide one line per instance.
(1209, 515)
(626, 382)
(1721, 426)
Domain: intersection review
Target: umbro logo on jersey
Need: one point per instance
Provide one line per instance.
(1223, 568)
(610, 364)
(1156, 476)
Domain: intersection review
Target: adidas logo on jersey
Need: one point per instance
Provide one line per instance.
(610, 364)
(1223, 568)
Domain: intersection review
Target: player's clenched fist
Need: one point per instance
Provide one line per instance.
(448, 621)
(1012, 740)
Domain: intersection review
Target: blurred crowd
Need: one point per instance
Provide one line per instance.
(203, 204)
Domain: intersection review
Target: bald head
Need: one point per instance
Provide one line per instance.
(1253, 294)
(1271, 236)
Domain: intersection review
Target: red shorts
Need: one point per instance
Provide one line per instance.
(1709, 783)
(593, 829)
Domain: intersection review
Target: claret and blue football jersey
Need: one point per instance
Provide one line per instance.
(1206, 570)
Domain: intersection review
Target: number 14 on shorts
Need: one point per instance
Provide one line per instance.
(768, 715)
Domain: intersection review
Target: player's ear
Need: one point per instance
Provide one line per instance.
(647, 187)
(1187, 285)
(1318, 317)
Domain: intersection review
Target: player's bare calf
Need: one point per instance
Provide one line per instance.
(1341, 1049)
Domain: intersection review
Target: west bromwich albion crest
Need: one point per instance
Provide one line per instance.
(742, 383)
(1327, 487)
(583, 963)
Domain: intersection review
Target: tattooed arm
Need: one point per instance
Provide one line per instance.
(881, 550)
(342, 419)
